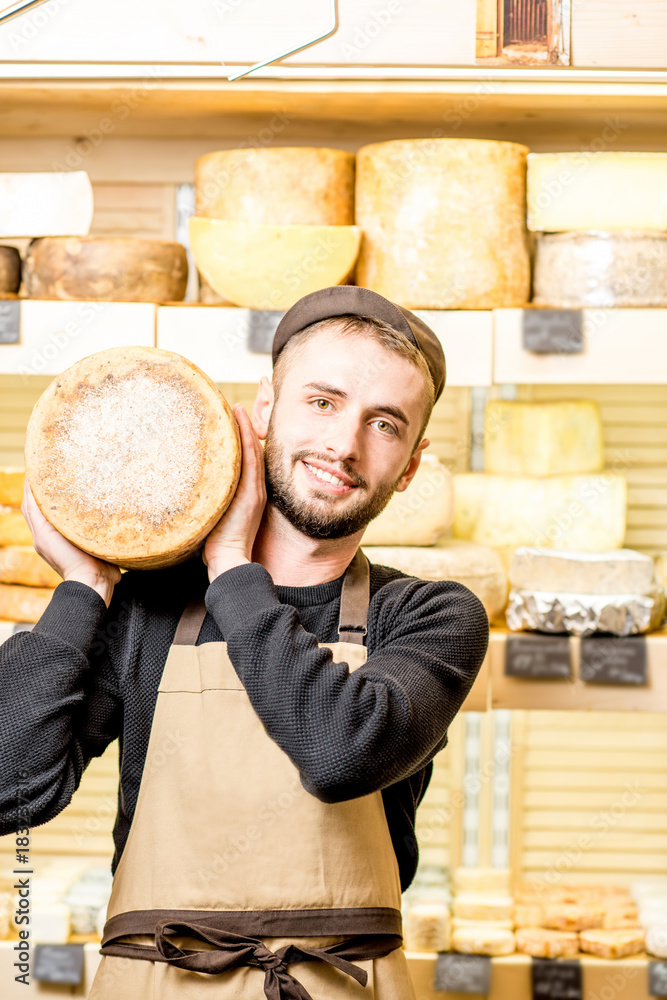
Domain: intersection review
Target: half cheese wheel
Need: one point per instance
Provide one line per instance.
(271, 267)
(23, 604)
(11, 485)
(21, 564)
(288, 186)
(133, 454)
(10, 270)
(110, 269)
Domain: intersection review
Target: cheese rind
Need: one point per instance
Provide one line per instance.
(573, 917)
(597, 191)
(621, 571)
(21, 564)
(421, 513)
(612, 944)
(584, 513)
(23, 604)
(13, 527)
(59, 203)
(10, 270)
(483, 941)
(543, 439)
(271, 267)
(12, 478)
(542, 943)
(443, 222)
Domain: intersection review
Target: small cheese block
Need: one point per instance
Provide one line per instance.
(21, 564)
(49, 923)
(542, 943)
(59, 203)
(12, 478)
(271, 267)
(420, 514)
(543, 439)
(427, 927)
(528, 915)
(573, 917)
(612, 944)
(483, 941)
(109, 269)
(23, 604)
(606, 270)
(14, 529)
(10, 270)
(279, 185)
(656, 940)
(583, 513)
(597, 191)
(133, 454)
(619, 917)
(444, 223)
(482, 906)
(482, 880)
(621, 571)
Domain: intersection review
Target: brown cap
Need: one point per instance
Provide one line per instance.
(351, 300)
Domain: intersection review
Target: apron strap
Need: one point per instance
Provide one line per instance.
(352, 623)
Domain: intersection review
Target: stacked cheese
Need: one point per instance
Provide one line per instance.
(26, 581)
(558, 922)
(408, 536)
(483, 912)
(601, 220)
(273, 224)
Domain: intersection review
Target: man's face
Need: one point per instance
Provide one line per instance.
(342, 433)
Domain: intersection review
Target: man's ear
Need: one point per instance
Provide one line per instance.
(262, 407)
(408, 475)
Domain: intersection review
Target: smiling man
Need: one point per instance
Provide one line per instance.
(278, 702)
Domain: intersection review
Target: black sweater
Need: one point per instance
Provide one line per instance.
(86, 675)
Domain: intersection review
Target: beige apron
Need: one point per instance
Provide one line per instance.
(235, 882)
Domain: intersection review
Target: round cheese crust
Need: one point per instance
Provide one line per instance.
(133, 454)
(10, 270)
(110, 269)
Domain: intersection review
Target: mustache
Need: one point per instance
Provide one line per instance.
(345, 468)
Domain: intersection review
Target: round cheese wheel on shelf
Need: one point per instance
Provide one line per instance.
(579, 270)
(287, 186)
(133, 454)
(444, 223)
(22, 565)
(13, 527)
(10, 270)
(109, 269)
(23, 604)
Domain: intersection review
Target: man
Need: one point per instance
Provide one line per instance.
(266, 829)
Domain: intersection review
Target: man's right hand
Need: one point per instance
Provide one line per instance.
(67, 559)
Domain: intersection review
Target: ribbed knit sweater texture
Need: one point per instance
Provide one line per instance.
(86, 675)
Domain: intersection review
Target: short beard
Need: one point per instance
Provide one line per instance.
(307, 516)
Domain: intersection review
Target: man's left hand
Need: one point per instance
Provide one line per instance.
(231, 541)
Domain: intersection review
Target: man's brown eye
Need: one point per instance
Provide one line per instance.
(322, 403)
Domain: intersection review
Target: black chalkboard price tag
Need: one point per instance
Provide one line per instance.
(262, 326)
(554, 979)
(456, 973)
(59, 963)
(10, 322)
(614, 660)
(538, 657)
(553, 331)
(657, 979)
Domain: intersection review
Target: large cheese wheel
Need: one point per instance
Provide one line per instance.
(583, 513)
(444, 223)
(597, 191)
(21, 564)
(110, 269)
(543, 439)
(23, 604)
(11, 485)
(13, 527)
(133, 454)
(421, 513)
(477, 567)
(294, 186)
(10, 270)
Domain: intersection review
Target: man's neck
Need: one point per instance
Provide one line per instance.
(295, 560)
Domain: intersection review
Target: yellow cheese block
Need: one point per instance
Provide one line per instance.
(21, 564)
(23, 604)
(584, 513)
(543, 439)
(482, 906)
(597, 191)
(483, 941)
(612, 944)
(280, 185)
(271, 267)
(13, 527)
(444, 223)
(420, 514)
(542, 943)
(485, 880)
(12, 478)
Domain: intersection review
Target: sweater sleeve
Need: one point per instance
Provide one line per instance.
(352, 733)
(58, 703)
